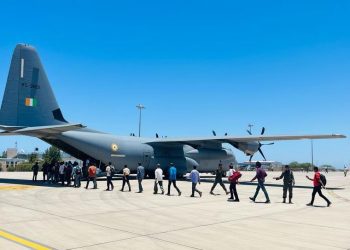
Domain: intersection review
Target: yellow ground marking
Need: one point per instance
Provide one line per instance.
(22, 241)
(15, 187)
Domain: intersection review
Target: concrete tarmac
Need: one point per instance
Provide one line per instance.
(54, 217)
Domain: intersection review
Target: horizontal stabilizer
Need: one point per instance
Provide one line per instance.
(41, 130)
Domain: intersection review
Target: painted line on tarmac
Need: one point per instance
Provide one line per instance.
(22, 241)
(14, 187)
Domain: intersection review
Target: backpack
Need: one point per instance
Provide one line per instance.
(235, 176)
(323, 180)
(112, 170)
(78, 170)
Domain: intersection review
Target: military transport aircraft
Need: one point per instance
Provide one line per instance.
(29, 108)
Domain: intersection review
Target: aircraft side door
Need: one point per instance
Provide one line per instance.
(146, 159)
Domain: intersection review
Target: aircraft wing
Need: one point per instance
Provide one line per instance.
(215, 141)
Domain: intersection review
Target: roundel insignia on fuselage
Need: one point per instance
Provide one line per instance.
(114, 147)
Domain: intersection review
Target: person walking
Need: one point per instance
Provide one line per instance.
(218, 180)
(288, 183)
(35, 169)
(77, 172)
(158, 173)
(140, 176)
(260, 175)
(195, 179)
(109, 173)
(233, 183)
(317, 188)
(172, 179)
(126, 175)
(345, 171)
(92, 175)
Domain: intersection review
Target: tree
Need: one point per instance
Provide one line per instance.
(52, 154)
(4, 154)
(33, 157)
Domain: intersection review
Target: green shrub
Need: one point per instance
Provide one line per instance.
(24, 167)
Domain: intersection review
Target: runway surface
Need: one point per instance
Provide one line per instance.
(54, 217)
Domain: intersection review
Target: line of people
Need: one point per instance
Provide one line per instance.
(66, 172)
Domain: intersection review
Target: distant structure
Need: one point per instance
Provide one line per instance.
(268, 165)
(11, 159)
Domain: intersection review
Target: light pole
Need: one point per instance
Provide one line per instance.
(140, 107)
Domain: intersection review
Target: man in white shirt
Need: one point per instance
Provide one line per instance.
(126, 175)
(61, 171)
(109, 173)
(158, 173)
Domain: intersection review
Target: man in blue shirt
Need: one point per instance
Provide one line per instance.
(172, 179)
(140, 176)
(195, 179)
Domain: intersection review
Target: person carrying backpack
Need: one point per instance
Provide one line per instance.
(77, 175)
(92, 175)
(288, 183)
(260, 175)
(318, 184)
(233, 177)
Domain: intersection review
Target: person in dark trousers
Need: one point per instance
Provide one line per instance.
(91, 175)
(195, 179)
(45, 171)
(140, 176)
(219, 173)
(288, 183)
(77, 172)
(126, 175)
(158, 174)
(61, 172)
(68, 173)
(233, 184)
(317, 188)
(260, 175)
(109, 173)
(35, 169)
(172, 179)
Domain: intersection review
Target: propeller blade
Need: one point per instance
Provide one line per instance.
(262, 154)
(251, 157)
(249, 132)
(225, 134)
(214, 133)
(263, 131)
(272, 143)
(157, 136)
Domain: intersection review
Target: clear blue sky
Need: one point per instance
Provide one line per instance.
(195, 65)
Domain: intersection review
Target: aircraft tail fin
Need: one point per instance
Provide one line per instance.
(28, 99)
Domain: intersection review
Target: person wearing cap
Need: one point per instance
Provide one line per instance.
(172, 179)
(233, 184)
(218, 180)
(158, 173)
(140, 176)
(288, 183)
(260, 176)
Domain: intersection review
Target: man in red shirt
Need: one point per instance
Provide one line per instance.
(317, 187)
(92, 176)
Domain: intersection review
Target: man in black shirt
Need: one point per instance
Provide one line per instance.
(218, 180)
(288, 183)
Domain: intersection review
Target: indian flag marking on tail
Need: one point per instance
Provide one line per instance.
(31, 102)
